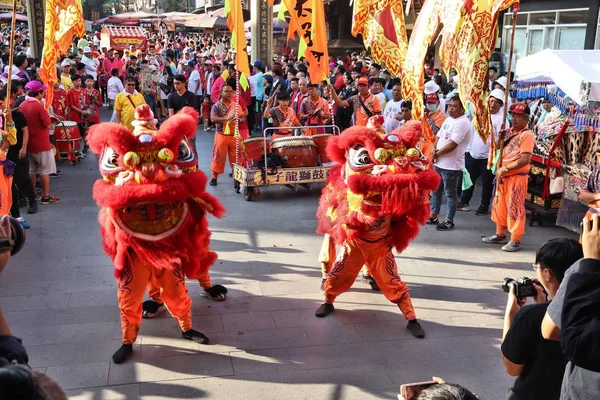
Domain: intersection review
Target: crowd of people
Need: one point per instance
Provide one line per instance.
(197, 71)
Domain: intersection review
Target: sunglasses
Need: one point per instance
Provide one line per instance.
(131, 84)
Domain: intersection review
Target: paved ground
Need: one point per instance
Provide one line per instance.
(59, 295)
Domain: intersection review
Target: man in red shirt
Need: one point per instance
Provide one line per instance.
(41, 154)
(78, 102)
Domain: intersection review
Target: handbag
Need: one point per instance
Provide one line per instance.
(9, 167)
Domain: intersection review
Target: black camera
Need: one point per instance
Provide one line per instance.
(523, 286)
(16, 241)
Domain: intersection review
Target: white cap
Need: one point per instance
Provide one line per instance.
(502, 81)
(455, 79)
(87, 49)
(208, 62)
(498, 94)
(152, 67)
(65, 63)
(431, 87)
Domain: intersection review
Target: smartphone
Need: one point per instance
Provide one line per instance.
(410, 391)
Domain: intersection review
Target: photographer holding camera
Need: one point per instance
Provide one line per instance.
(573, 318)
(538, 363)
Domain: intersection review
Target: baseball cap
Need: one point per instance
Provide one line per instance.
(258, 63)
(152, 67)
(375, 65)
(332, 65)
(87, 49)
(363, 80)
(432, 98)
(208, 62)
(35, 86)
(498, 94)
(191, 63)
(65, 63)
(431, 87)
(519, 109)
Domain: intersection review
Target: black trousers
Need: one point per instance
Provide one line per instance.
(478, 169)
(252, 114)
(21, 186)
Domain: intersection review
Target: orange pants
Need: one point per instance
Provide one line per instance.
(132, 286)
(154, 287)
(508, 206)
(379, 257)
(224, 146)
(327, 257)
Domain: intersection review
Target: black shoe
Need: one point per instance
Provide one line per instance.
(433, 221)
(324, 310)
(196, 336)
(368, 279)
(213, 182)
(55, 174)
(445, 225)
(416, 329)
(482, 210)
(33, 207)
(122, 354)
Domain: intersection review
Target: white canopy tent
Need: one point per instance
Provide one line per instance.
(575, 72)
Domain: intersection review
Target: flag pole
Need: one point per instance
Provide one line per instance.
(10, 62)
(500, 145)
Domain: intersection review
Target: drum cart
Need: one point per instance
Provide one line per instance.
(252, 177)
(68, 141)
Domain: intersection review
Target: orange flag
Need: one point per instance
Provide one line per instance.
(307, 20)
(382, 26)
(64, 20)
(235, 23)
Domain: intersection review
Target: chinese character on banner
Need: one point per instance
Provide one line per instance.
(291, 176)
(318, 174)
(305, 175)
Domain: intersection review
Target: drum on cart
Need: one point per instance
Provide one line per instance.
(255, 150)
(321, 142)
(296, 151)
(66, 134)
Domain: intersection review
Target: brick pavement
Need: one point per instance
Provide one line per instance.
(59, 295)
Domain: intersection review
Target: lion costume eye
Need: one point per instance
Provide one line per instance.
(359, 157)
(185, 154)
(109, 160)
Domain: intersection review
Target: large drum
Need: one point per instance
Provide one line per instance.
(321, 142)
(67, 133)
(255, 150)
(296, 151)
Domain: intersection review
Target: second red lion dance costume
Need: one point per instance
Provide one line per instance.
(153, 217)
(375, 200)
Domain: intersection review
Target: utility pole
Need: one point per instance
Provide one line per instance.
(35, 17)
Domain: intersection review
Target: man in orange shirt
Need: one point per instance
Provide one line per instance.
(365, 104)
(508, 209)
(283, 116)
(314, 110)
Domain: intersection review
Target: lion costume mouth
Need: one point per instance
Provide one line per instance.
(152, 221)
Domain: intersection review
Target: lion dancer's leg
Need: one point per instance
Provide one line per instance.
(383, 266)
(132, 286)
(326, 258)
(342, 275)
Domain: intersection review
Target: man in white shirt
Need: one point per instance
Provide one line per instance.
(194, 84)
(392, 115)
(114, 87)
(91, 65)
(449, 158)
(477, 158)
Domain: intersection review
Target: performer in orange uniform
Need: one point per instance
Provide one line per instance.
(364, 104)
(222, 115)
(508, 208)
(314, 111)
(374, 201)
(283, 116)
(153, 217)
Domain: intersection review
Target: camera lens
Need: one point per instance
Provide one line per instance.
(17, 236)
(506, 284)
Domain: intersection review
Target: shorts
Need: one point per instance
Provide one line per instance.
(42, 163)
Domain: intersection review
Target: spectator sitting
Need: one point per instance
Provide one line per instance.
(538, 363)
(573, 318)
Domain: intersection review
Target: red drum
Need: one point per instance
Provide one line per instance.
(255, 150)
(67, 133)
(296, 151)
(321, 142)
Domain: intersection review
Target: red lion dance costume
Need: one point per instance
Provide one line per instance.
(153, 217)
(375, 200)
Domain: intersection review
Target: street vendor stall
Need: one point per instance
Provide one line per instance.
(567, 136)
(122, 37)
